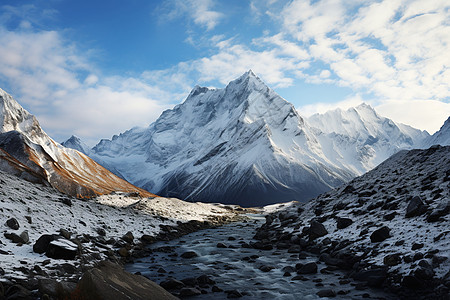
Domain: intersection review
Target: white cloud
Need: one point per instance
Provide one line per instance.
(44, 74)
(199, 11)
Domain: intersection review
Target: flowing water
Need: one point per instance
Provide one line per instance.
(237, 268)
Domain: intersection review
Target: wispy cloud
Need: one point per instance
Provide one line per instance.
(201, 12)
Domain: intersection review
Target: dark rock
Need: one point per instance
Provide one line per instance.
(308, 268)
(415, 207)
(29, 220)
(66, 201)
(109, 281)
(205, 280)
(17, 239)
(416, 246)
(17, 292)
(216, 289)
(101, 232)
(42, 243)
(123, 252)
(56, 289)
(233, 294)
(24, 236)
(189, 291)
(417, 256)
(190, 281)
(342, 223)
(412, 282)
(266, 268)
(221, 245)
(65, 233)
(373, 277)
(128, 237)
(316, 230)
(13, 224)
(172, 284)
(148, 239)
(189, 254)
(392, 259)
(61, 249)
(326, 293)
(380, 234)
(390, 217)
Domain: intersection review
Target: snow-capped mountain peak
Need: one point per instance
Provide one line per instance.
(76, 143)
(441, 137)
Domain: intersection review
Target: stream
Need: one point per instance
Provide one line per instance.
(245, 270)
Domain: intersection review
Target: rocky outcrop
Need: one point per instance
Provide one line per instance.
(109, 281)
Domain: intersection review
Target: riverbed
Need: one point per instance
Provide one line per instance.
(236, 270)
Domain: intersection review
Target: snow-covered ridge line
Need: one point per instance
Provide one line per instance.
(245, 144)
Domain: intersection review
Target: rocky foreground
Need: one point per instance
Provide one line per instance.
(389, 229)
(50, 240)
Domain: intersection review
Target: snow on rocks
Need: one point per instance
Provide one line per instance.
(389, 228)
(45, 238)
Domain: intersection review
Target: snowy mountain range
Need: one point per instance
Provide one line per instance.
(245, 144)
(27, 151)
(441, 137)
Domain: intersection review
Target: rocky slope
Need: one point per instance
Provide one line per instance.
(244, 144)
(389, 228)
(28, 152)
(50, 237)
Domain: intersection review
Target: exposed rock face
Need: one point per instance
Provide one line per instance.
(27, 151)
(110, 281)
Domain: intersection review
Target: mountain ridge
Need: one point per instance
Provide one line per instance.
(243, 139)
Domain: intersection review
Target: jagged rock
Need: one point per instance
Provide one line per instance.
(189, 254)
(205, 279)
(13, 223)
(380, 234)
(266, 268)
(233, 294)
(61, 249)
(342, 223)
(128, 237)
(415, 207)
(109, 281)
(43, 241)
(316, 230)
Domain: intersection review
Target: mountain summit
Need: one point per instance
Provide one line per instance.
(245, 144)
(27, 151)
(242, 144)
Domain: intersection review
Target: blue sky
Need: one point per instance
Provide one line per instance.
(97, 68)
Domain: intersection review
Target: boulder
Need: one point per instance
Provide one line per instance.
(329, 293)
(110, 281)
(41, 245)
(189, 292)
(415, 207)
(17, 239)
(56, 289)
(308, 268)
(380, 234)
(62, 249)
(17, 292)
(189, 254)
(316, 230)
(374, 277)
(13, 224)
(128, 237)
(392, 259)
(342, 223)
